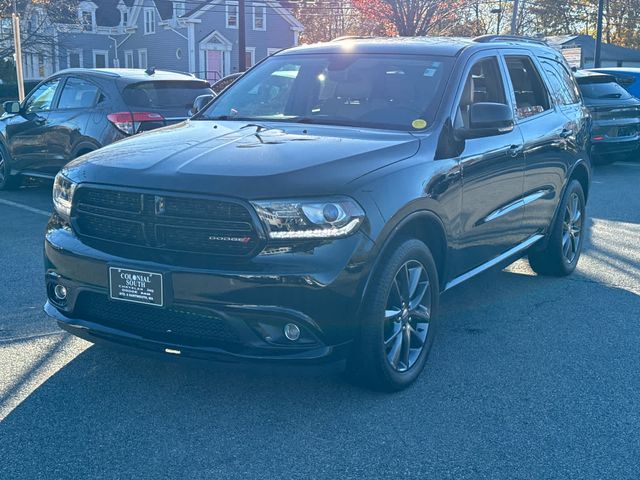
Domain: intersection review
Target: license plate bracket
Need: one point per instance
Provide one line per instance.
(136, 286)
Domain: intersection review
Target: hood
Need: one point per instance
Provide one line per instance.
(244, 159)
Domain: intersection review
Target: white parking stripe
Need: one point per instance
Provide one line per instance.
(25, 207)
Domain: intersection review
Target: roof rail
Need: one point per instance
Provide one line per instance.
(509, 38)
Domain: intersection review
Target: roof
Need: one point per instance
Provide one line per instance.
(132, 73)
(440, 46)
(588, 44)
(629, 70)
(443, 46)
(587, 76)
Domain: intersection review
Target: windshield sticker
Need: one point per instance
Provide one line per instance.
(419, 124)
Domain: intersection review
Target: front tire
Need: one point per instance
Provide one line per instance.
(560, 257)
(398, 320)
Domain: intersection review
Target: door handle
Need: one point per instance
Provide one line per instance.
(514, 150)
(566, 133)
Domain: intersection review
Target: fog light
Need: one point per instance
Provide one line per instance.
(60, 291)
(292, 331)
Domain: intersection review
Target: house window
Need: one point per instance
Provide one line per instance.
(178, 9)
(41, 70)
(259, 17)
(142, 58)
(128, 59)
(250, 57)
(100, 58)
(74, 58)
(149, 21)
(124, 16)
(87, 21)
(232, 14)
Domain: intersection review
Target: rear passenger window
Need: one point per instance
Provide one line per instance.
(531, 94)
(563, 88)
(78, 93)
(483, 84)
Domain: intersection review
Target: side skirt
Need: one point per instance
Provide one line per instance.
(512, 253)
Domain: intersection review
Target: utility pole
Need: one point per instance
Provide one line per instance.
(242, 37)
(514, 18)
(598, 50)
(18, 49)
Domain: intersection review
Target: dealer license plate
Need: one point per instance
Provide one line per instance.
(136, 286)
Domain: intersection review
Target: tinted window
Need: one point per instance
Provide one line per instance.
(562, 84)
(164, 94)
(483, 84)
(78, 93)
(42, 97)
(531, 95)
(399, 92)
(603, 90)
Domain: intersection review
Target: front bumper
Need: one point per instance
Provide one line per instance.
(233, 313)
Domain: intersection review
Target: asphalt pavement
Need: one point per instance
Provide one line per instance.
(529, 378)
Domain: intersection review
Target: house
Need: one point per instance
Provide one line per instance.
(611, 55)
(196, 36)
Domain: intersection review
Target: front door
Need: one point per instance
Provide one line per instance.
(26, 131)
(492, 174)
(215, 63)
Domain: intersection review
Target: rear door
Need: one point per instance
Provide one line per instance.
(68, 120)
(492, 172)
(546, 131)
(171, 99)
(26, 131)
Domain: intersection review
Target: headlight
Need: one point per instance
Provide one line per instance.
(309, 219)
(63, 189)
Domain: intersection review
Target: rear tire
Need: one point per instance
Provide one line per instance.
(7, 181)
(398, 320)
(560, 257)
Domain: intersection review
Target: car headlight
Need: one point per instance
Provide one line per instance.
(63, 189)
(310, 219)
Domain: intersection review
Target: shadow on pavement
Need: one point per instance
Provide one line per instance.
(520, 384)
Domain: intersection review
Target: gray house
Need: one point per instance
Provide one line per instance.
(196, 36)
(584, 45)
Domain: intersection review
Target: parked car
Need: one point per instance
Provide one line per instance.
(77, 111)
(319, 213)
(628, 77)
(224, 82)
(615, 113)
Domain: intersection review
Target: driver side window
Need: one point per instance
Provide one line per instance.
(42, 97)
(483, 84)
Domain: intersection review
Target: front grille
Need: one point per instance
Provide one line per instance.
(187, 326)
(163, 223)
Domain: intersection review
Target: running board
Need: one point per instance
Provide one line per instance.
(492, 263)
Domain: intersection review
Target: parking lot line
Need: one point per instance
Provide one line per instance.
(24, 207)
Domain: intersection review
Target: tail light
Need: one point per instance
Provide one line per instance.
(129, 122)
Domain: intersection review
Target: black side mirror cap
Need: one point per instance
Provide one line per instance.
(487, 119)
(200, 102)
(11, 107)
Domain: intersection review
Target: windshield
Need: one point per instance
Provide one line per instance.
(400, 92)
(603, 90)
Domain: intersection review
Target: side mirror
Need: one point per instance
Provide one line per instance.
(486, 120)
(11, 107)
(200, 102)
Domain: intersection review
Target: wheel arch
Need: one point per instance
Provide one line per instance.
(582, 174)
(83, 147)
(424, 225)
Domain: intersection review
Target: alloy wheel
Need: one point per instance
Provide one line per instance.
(3, 167)
(572, 228)
(407, 316)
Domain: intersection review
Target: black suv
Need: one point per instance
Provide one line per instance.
(320, 205)
(77, 111)
(615, 113)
